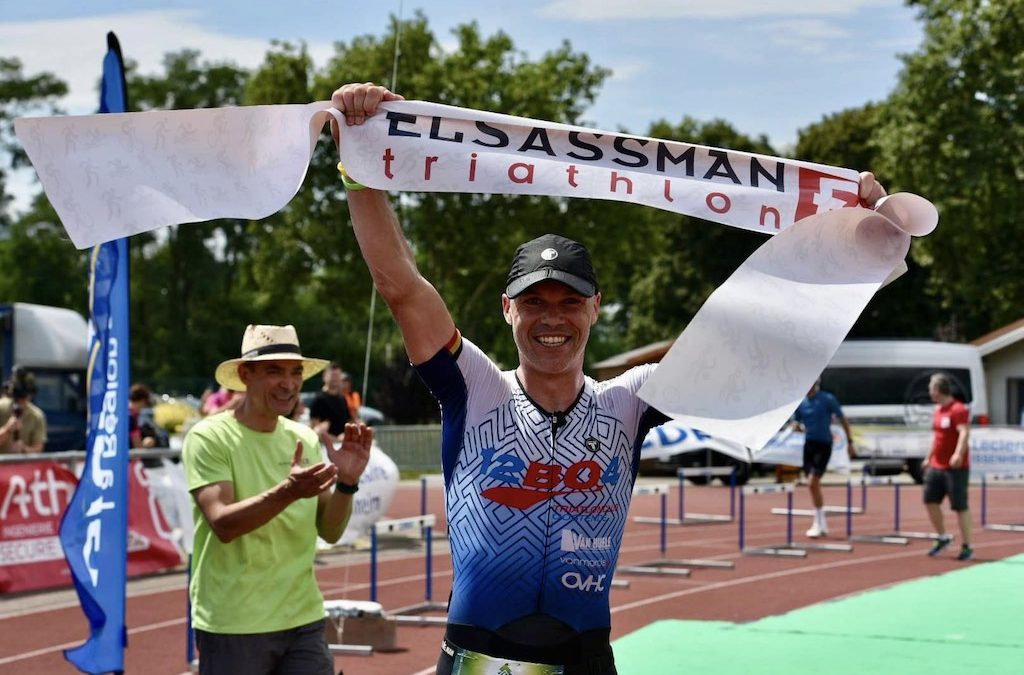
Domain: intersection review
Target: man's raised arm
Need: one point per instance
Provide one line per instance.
(418, 308)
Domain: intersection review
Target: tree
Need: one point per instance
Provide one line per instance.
(36, 241)
(20, 94)
(954, 132)
(40, 264)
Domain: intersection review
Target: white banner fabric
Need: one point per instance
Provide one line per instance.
(118, 174)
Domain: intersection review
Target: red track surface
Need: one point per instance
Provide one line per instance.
(35, 628)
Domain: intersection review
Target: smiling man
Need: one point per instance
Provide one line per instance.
(539, 462)
(262, 494)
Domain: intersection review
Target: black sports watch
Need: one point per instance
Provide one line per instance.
(345, 488)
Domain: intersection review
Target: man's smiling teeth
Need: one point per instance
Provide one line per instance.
(552, 340)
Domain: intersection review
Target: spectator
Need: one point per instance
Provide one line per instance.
(22, 423)
(262, 496)
(329, 411)
(139, 399)
(221, 400)
(948, 465)
(298, 410)
(353, 398)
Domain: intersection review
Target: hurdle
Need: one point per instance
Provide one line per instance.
(997, 477)
(789, 548)
(702, 518)
(428, 480)
(898, 536)
(664, 566)
(848, 511)
(425, 525)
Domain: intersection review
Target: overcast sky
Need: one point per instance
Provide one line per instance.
(767, 66)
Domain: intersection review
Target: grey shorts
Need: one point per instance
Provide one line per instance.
(296, 651)
(941, 482)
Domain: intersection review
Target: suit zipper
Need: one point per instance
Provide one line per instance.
(547, 525)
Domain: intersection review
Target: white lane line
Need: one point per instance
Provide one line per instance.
(68, 645)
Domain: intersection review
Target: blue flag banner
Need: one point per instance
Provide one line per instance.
(94, 531)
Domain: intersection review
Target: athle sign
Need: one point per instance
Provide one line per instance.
(418, 146)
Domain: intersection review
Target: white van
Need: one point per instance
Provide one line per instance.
(882, 386)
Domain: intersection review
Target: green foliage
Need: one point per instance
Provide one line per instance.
(18, 95)
(843, 139)
(40, 264)
(954, 131)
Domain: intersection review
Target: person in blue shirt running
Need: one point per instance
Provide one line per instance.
(814, 416)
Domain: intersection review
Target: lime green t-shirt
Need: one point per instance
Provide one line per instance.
(262, 581)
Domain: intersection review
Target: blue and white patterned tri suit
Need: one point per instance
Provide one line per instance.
(535, 523)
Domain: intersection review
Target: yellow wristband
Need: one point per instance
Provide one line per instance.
(347, 180)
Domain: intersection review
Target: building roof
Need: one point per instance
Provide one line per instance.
(1000, 338)
(634, 357)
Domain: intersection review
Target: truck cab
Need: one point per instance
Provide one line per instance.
(882, 386)
(52, 344)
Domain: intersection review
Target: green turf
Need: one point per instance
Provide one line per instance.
(967, 621)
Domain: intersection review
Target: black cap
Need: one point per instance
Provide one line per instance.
(552, 257)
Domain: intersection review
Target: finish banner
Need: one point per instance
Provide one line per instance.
(739, 369)
(33, 498)
(430, 147)
(182, 166)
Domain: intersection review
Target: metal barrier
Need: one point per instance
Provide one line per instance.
(76, 456)
(789, 548)
(848, 509)
(699, 518)
(898, 536)
(997, 477)
(412, 447)
(665, 566)
(423, 525)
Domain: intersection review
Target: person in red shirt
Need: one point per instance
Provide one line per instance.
(948, 465)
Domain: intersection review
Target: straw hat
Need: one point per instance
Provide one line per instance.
(267, 343)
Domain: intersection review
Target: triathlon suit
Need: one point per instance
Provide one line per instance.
(536, 506)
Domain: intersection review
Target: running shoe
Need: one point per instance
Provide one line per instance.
(965, 552)
(817, 530)
(940, 545)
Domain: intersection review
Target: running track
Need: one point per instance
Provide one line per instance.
(35, 628)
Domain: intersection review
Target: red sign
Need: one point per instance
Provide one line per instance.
(33, 497)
